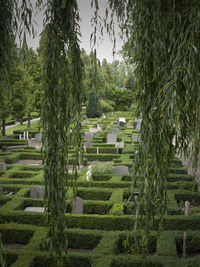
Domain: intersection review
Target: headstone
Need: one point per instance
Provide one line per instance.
(37, 192)
(122, 121)
(88, 136)
(121, 170)
(77, 205)
(10, 194)
(119, 144)
(88, 144)
(84, 148)
(135, 137)
(85, 122)
(138, 126)
(98, 127)
(35, 209)
(97, 150)
(38, 137)
(3, 166)
(1, 191)
(111, 138)
(93, 130)
(187, 207)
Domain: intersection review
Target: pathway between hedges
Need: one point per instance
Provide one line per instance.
(18, 123)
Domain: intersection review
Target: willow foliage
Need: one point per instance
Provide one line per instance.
(165, 45)
(16, 18)
(60, 113)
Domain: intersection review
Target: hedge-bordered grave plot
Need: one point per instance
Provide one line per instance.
(99, 225)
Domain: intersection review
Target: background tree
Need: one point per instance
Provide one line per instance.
(93, 109)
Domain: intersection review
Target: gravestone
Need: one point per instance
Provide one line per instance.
(119, 144)
(111, 138)
(88, 144)
(122, 121)
(98, 127)
(138, 126)
(38, 137)
(1, 191)
(85, 122)
(121, 170)
(34, 209)
(3, 166)
(88, 136)
(77, 206)
(37, 192)
(135, 137)
(93, 130)
(10, 194)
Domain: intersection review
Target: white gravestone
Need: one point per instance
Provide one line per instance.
(122, 121)
(77, 205)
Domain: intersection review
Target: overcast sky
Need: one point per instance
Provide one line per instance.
(104, 49)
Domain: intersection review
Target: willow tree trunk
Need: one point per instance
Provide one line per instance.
(29, 121)
(3, 130)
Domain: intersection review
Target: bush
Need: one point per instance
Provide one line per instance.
(107, 106)
(101, 169)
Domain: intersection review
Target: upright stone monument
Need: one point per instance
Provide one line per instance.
(77, 206)
(3, 166)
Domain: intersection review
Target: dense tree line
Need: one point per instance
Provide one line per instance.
(114, 84)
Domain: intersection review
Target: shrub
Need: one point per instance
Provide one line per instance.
(104, 168)
(107, 106)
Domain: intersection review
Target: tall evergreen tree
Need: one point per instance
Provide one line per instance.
(94, 107)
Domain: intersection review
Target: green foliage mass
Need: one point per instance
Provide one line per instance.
(93, 109)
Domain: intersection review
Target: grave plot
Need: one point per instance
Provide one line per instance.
(103, 213)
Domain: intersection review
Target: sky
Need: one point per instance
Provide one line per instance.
(104, 48)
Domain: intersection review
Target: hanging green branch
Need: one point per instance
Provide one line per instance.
(13, 20)
(60, 113)
(164, 44)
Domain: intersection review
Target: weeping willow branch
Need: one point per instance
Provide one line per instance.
(13, 20)
(164, 44)
(60, 113)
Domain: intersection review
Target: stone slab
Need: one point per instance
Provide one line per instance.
(111, 137)
(120, 170)
(77, 206)
(38, 137)
(37, 192)
(34, 209)
(88, 136)
(3, 166)
(88, 144)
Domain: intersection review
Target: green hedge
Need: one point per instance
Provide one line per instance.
(94, 193)
(101, 177)
(104, 150)
(101, 157)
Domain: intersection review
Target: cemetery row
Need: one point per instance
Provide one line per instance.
(103, 212)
